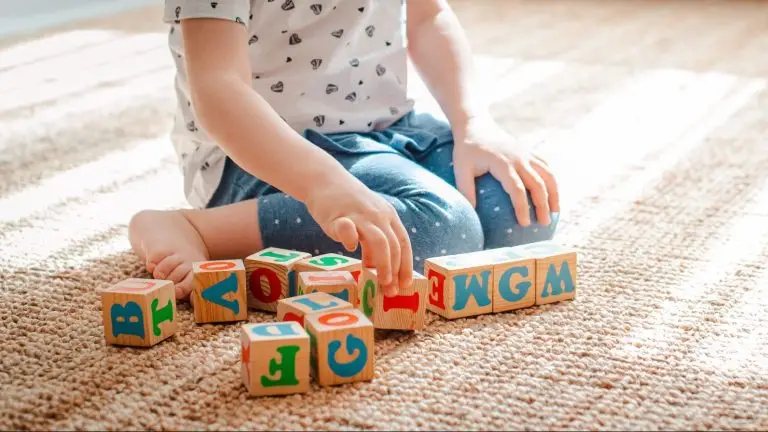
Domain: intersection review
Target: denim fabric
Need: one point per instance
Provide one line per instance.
(410, 164)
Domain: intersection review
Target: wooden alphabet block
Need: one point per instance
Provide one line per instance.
(139, 312)
(556, 278)
(296, 308)
(270, 276)
(459, 288)
(331, 262)
(342, 345)
(218, 291)
(340, 284)
(405, 311)
(274, 358)
(514, 280)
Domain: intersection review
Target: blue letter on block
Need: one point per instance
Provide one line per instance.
(522, 287)
(125, 326)
(315, 306)
(283, 329)
(291, 283)
(346, 370)
(216, 292)
(475, 287)
(343, 295)
(557, 282)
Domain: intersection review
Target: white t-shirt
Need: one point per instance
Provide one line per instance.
(326, 65)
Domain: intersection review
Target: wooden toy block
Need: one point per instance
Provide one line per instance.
(556, 272)
(139, 312)
(459, 286)
(331, 262)
(270, 277)
(340, 284)
(405, 311)
(514, 280)
(296, 308)
(274, 358)
(218, 291)
(342, 346)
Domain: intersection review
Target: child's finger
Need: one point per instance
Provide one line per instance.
(538, 190)
(406, 254)
(394, 256)
(465, 182)
(377, 243)
(513, 184)
(346, 233)
(549, 179)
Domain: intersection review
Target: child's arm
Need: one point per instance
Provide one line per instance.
(255, 137)
(440, 51)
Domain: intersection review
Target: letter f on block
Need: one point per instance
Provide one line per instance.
(286, 368)
(215, 293)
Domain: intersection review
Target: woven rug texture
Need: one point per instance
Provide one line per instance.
(655, 116)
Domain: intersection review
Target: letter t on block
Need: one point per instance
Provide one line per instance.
(274, 358)
(218, 291)
(342, 346)
(404, 311)
(139, 312)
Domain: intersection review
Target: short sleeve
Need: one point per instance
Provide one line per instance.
(232, 10)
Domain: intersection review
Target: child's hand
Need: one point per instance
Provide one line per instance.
(349, 212)
(483, 147)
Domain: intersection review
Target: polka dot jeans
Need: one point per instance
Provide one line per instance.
(411, 165)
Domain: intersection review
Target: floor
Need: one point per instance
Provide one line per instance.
(655, 116)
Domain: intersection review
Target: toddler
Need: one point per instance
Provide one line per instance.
(294, 129)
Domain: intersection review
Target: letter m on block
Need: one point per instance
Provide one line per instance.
(558, 282)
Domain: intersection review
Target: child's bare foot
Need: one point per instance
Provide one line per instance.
(168, 243)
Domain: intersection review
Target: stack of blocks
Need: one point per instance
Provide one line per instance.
(499, 280)
(328, 306)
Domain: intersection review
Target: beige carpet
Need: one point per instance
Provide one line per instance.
(656, 115)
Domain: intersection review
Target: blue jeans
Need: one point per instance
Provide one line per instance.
(411, 165)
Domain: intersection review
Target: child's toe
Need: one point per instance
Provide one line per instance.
(166, 266)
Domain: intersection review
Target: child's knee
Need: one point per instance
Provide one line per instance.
(499, 221)
(450, 228)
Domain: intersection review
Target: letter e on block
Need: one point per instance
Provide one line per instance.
(342, 346)
(139, 312)
(218, 291)
(274, 358)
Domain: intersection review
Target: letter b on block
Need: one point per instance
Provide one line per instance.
(139, 312)
(342, 346)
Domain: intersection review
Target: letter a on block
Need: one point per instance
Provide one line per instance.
(218, 291)
(215, 293)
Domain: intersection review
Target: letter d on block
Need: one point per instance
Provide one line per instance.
(278, 329)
